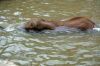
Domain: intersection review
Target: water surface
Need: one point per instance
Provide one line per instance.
(48, 49)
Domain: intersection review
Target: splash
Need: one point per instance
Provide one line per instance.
(96, 29)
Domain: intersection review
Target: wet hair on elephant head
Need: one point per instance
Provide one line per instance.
(38, 25)
(81, 23)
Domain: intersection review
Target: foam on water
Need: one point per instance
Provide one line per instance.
(96, 29)
(6, 63)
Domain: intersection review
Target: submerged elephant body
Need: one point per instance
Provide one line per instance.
(39, 24)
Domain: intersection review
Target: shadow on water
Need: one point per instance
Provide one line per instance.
(1, 27)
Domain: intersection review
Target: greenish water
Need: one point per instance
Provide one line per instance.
(48, 49)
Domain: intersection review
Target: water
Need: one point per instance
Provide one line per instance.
(18, 48)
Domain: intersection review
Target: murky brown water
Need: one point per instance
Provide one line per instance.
(48, 49)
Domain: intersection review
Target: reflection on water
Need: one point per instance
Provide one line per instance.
(59, 48)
